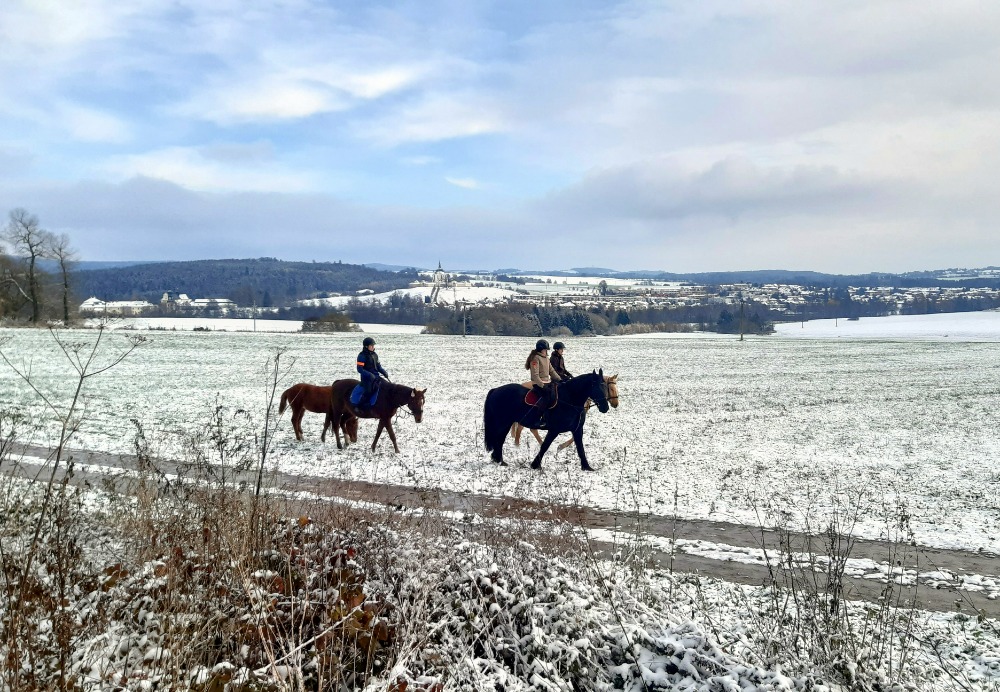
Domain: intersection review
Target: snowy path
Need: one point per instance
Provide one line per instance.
(946, 580)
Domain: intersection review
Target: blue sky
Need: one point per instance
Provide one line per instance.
(685, 136)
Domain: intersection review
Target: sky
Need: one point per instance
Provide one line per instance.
(843, 137)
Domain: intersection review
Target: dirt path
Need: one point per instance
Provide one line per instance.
(729, 564)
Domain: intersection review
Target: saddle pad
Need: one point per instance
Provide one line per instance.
(532, 397)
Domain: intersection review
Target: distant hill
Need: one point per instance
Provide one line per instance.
(392, 267)
(265, 281)
(986, 277)
(86, 265)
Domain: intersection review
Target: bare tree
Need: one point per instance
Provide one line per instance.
(31, 241)
(66, 257)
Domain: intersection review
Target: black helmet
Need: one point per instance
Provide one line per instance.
(541, 344)
(368, 342)
(558, 345)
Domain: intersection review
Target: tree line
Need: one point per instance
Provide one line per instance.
(264, 282)
(27, 291)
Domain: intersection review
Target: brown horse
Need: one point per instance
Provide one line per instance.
(304, 397)
(610, 389)
(391, 397)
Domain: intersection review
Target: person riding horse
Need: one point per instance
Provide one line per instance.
(558, 364)
(370, 369)
(542, 376)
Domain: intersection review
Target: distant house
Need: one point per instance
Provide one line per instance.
(212, 303)
(171, 299)
(118, 308)
(181, 302)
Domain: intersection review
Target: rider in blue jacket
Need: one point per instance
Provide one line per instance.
(370, 369)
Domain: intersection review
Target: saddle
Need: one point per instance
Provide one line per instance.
(534, 394)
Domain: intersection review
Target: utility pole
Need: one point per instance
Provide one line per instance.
(741, 318)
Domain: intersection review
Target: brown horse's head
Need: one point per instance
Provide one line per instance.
(416, 403)
(350, 427)
(611, 389)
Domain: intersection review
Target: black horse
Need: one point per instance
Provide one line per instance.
(505, 406)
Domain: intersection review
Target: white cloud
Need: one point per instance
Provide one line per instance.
(92, 125)
(437, 117)
(190, 169)
(467, 183)
(420, 160)
(264, 100)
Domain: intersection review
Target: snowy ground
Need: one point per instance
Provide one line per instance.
(960, 326)
(189, 324)
(222, 324)
(733, 425)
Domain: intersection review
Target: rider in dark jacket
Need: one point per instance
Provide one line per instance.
(558, 364)
(370, 369)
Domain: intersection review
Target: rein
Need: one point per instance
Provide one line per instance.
(590, 402)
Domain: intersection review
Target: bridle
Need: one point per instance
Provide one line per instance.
(608, 387)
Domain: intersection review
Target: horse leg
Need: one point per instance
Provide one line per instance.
(515, 430)
(342, 428)
(392, 434)
(578, 439)
(564, 445)
(549, 437)
(537, 436)
(378, 432)
(297, 414)
(336, 429)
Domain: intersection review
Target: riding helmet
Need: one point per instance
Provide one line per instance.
(368, 342)
(557, 346)
(541, 344)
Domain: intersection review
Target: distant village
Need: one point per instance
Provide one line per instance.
(441, 288)
(170, 303)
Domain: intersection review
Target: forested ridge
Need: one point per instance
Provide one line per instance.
(264, 281)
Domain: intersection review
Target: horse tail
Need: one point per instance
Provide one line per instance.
(493, 433)
(284, 401)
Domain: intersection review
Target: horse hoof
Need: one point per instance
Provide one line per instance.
(536, 465)
(586, 467)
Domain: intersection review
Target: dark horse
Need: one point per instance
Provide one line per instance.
(304, 397)
(390, 397)
(505, 406)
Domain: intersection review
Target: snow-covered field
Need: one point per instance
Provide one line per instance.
(190, 324)
(222, 324)
(731, 424)
(960, 326)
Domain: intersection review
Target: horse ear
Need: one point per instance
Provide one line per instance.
(601, 372)
(614, 378)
